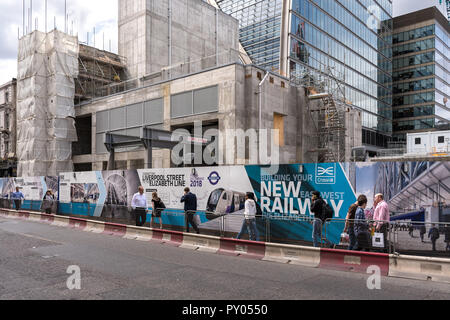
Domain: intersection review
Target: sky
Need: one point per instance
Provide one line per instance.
(87, 14)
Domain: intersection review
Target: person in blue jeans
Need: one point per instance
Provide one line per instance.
(319, 219)
(349, 225)
(249, 223)
(361, 226)
(17, 197)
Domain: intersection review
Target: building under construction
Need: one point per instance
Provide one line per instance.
(179, 62)
(99, 73)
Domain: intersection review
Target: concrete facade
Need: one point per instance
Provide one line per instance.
(155, 34)
(238, 108)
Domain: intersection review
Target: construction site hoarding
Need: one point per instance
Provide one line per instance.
(284, 197)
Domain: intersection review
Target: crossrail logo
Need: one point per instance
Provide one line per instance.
(326, 173)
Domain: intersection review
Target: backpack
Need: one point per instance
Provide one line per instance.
(327, 211)
(435, 234)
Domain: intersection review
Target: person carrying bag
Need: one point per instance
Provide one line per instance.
(47, 202)
(158, 208)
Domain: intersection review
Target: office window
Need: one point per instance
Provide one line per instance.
(418, 141)
(154, 112)
(118, 118)
(102, 121)
(206, 100)
(134, 115)
(441, 139)
(181, 105)
(100, 143)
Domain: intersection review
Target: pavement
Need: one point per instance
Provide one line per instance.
(35, 257)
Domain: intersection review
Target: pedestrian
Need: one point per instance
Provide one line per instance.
(411, 231)
(382, 217)
(47, 202)
(190, 208)
(158, 207)
(447, 237)
(361, 226)
(17, 197)
(317, 208)
(423, 232)
(249, 223)
(434, 236)
(140, 207)
(349, 225)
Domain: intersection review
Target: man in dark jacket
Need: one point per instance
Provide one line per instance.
(423, 232)
(434, 236)
(317, 208)
(190, 207)
(447, 237)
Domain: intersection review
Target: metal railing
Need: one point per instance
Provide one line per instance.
(418, 237)
(366, 233)
(391, 152)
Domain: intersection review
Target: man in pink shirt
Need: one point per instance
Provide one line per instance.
(382, 216)
(381, 212)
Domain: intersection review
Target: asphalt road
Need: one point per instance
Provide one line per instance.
(34, 259)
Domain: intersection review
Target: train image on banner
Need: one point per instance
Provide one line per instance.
(222, 202)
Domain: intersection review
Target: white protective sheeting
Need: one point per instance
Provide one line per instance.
(47, 66)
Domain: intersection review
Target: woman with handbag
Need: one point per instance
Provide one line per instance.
(47, 202)
(158, 208)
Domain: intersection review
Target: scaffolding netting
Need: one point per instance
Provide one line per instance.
(47, 67)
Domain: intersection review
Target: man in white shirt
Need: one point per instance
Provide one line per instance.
(140, 207)
(249, 223)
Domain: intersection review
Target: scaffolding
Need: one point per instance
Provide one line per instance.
(47, 66)
(99, 73)
(328, 116)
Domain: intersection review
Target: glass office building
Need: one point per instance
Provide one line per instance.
(343, 35)
(448, 10)
(260, 23)
(421, 75)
